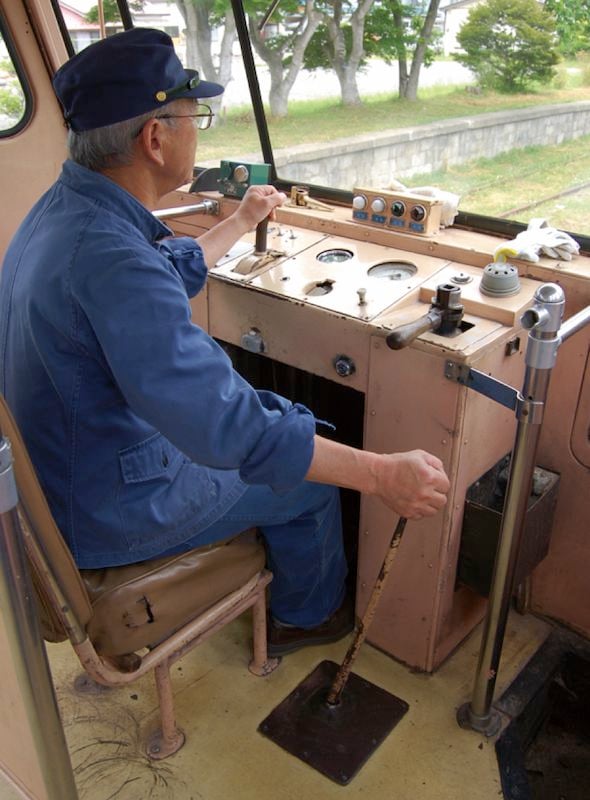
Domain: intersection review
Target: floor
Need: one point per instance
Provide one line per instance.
(220, 705)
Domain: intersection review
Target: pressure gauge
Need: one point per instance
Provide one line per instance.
(378, 205)
(393, 270)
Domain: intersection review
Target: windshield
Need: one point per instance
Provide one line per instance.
(489, 101)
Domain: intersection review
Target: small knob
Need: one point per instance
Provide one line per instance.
(378, 205)
(359, 201)
(241, 173)
(418, 213)
(362, 293)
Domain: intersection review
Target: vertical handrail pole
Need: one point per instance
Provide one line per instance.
(26, 645)
(543, 320)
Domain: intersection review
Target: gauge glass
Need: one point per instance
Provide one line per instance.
(334, 256)
(393, 270)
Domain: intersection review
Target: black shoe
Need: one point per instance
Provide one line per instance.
(283, 639)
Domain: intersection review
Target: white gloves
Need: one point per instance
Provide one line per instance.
(539, 237)
(450, 201)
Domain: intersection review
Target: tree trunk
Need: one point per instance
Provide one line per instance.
(281, 78)
(199, 40)
(188, 11)
(411, 86)
(346, 64)
(402, 60)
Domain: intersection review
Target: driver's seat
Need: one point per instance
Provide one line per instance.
(124, 621)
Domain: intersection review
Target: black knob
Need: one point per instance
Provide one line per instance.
(418, 213)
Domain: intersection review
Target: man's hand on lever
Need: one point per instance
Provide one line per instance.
(413, 484)
(258, 203)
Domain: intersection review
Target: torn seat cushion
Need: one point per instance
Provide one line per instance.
(138, 605)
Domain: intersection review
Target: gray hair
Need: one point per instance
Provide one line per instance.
(111, 145)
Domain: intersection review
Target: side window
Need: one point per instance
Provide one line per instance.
(15, 100)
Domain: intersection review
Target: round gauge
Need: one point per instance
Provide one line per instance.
(334, 256)
(393, 270)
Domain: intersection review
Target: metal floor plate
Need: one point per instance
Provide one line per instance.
(335, 740)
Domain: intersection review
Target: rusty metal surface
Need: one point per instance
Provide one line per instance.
(334, 740)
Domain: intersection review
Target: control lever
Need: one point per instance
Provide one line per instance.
(444, 316)
(261, 255)
(260, 246)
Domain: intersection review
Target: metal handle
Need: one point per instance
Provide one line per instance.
(204, 207)
(363, 626)
(402, 336)
(260, 246)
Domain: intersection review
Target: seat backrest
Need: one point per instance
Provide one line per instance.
(37, 518)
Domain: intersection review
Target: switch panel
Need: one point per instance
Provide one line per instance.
(236, 176)
(408, 213)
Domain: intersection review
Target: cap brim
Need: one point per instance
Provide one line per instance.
(203, 88)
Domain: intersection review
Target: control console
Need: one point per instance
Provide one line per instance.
(408, 213)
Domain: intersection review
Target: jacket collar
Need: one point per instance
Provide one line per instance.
(112, 197)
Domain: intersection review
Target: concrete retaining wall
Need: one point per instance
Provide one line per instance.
(377, 158)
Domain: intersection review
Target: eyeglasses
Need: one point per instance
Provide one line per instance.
(203, 117)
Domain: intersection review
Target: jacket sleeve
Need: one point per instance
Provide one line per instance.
(186, 257)
(176, 377)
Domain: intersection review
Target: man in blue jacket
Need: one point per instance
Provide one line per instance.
(145, 439)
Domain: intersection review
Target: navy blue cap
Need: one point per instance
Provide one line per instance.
(123, 76)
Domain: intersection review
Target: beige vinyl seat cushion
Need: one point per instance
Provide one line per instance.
(138, 605)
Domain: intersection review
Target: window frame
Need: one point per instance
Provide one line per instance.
(5, 133)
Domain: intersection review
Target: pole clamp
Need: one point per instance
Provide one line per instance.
(484, 384)
(529, 411)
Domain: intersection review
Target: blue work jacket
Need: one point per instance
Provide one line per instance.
(141, 431)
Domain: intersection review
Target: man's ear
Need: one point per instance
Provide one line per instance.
(151, 140)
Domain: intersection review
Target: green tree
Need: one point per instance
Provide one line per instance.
(572, 24)
(391, 30)
(282, 46)
(406, 33)
(111, 10)
(509, 44)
